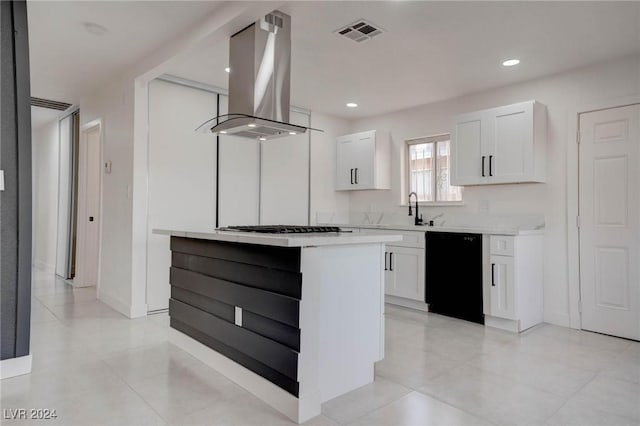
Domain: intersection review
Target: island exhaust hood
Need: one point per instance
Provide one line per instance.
(259, 82)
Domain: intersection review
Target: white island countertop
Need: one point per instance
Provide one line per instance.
(285, 240)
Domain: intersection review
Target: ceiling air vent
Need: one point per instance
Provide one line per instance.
(359, 31)
(47, 103)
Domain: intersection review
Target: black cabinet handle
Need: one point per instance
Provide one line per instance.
(391, 261)
(493, 275)
(90, 218)
(490, 161)
(483, 165)
(356, 175)
(351, 176)
(385, 261)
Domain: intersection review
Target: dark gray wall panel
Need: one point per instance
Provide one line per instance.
(9, 200)
(263, 370)
(15, 201)
(271, 305)
(210, 279)
(212, 306)
(276, 280)
(275, 355)
(274, 330)
(285, 258)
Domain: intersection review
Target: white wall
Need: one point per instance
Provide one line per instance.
(563, 95)
(45, 195)
(284, 177)
(114, 105)
(182, 175)
(324, 197)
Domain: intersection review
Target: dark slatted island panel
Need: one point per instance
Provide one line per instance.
(209, 279)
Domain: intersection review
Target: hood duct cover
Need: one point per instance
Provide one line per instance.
(259, 82)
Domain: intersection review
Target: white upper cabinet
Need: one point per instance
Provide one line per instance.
(499, 145)
(363, 161)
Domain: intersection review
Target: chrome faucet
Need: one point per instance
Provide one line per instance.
(418, 219)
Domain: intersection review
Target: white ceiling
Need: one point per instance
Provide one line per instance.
(66, 60)
(431, 50)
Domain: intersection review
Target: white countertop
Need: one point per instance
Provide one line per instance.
(285, 240)
(490, 230)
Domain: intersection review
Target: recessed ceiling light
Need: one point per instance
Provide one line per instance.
(352, 105)
(292, 133)
(251, 125)
(95, 29)
(263, 138)
(224, 132)
(227, 69)
(510, 62)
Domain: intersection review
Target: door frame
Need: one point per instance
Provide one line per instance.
(573, 235)
(82, 204)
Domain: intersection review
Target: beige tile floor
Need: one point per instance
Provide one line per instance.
(96, 367)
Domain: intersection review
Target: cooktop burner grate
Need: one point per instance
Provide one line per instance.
(282, 229)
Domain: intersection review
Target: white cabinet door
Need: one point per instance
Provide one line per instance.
(510, 143)
(502, 287)
(499, 145)
(346, 154)
(364, 161)
(466, 150)
(405, 273)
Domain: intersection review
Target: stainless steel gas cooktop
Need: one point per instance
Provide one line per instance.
(282, 229)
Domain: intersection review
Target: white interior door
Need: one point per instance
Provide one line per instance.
(609, 196)
(182, 176)
(92, 218)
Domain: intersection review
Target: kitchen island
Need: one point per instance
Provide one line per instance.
(296, 319)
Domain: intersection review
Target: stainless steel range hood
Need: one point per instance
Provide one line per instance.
(259, 82)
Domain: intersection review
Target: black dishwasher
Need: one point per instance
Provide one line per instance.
(454, 275)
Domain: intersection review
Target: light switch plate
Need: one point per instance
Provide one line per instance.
(1, 180)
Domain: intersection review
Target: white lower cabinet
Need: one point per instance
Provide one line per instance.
(502, 287)
(404, 272)
(513, 284)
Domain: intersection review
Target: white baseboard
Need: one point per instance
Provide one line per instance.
(502, 323)
(45, 267)
(78, 284)
(115, 303)
(558, 318)
(13, 367)
(298, 410)
(407, 303)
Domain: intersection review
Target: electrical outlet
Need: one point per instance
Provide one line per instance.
(1, 180)
(483, 206)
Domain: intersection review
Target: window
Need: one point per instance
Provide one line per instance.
(428, 170)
